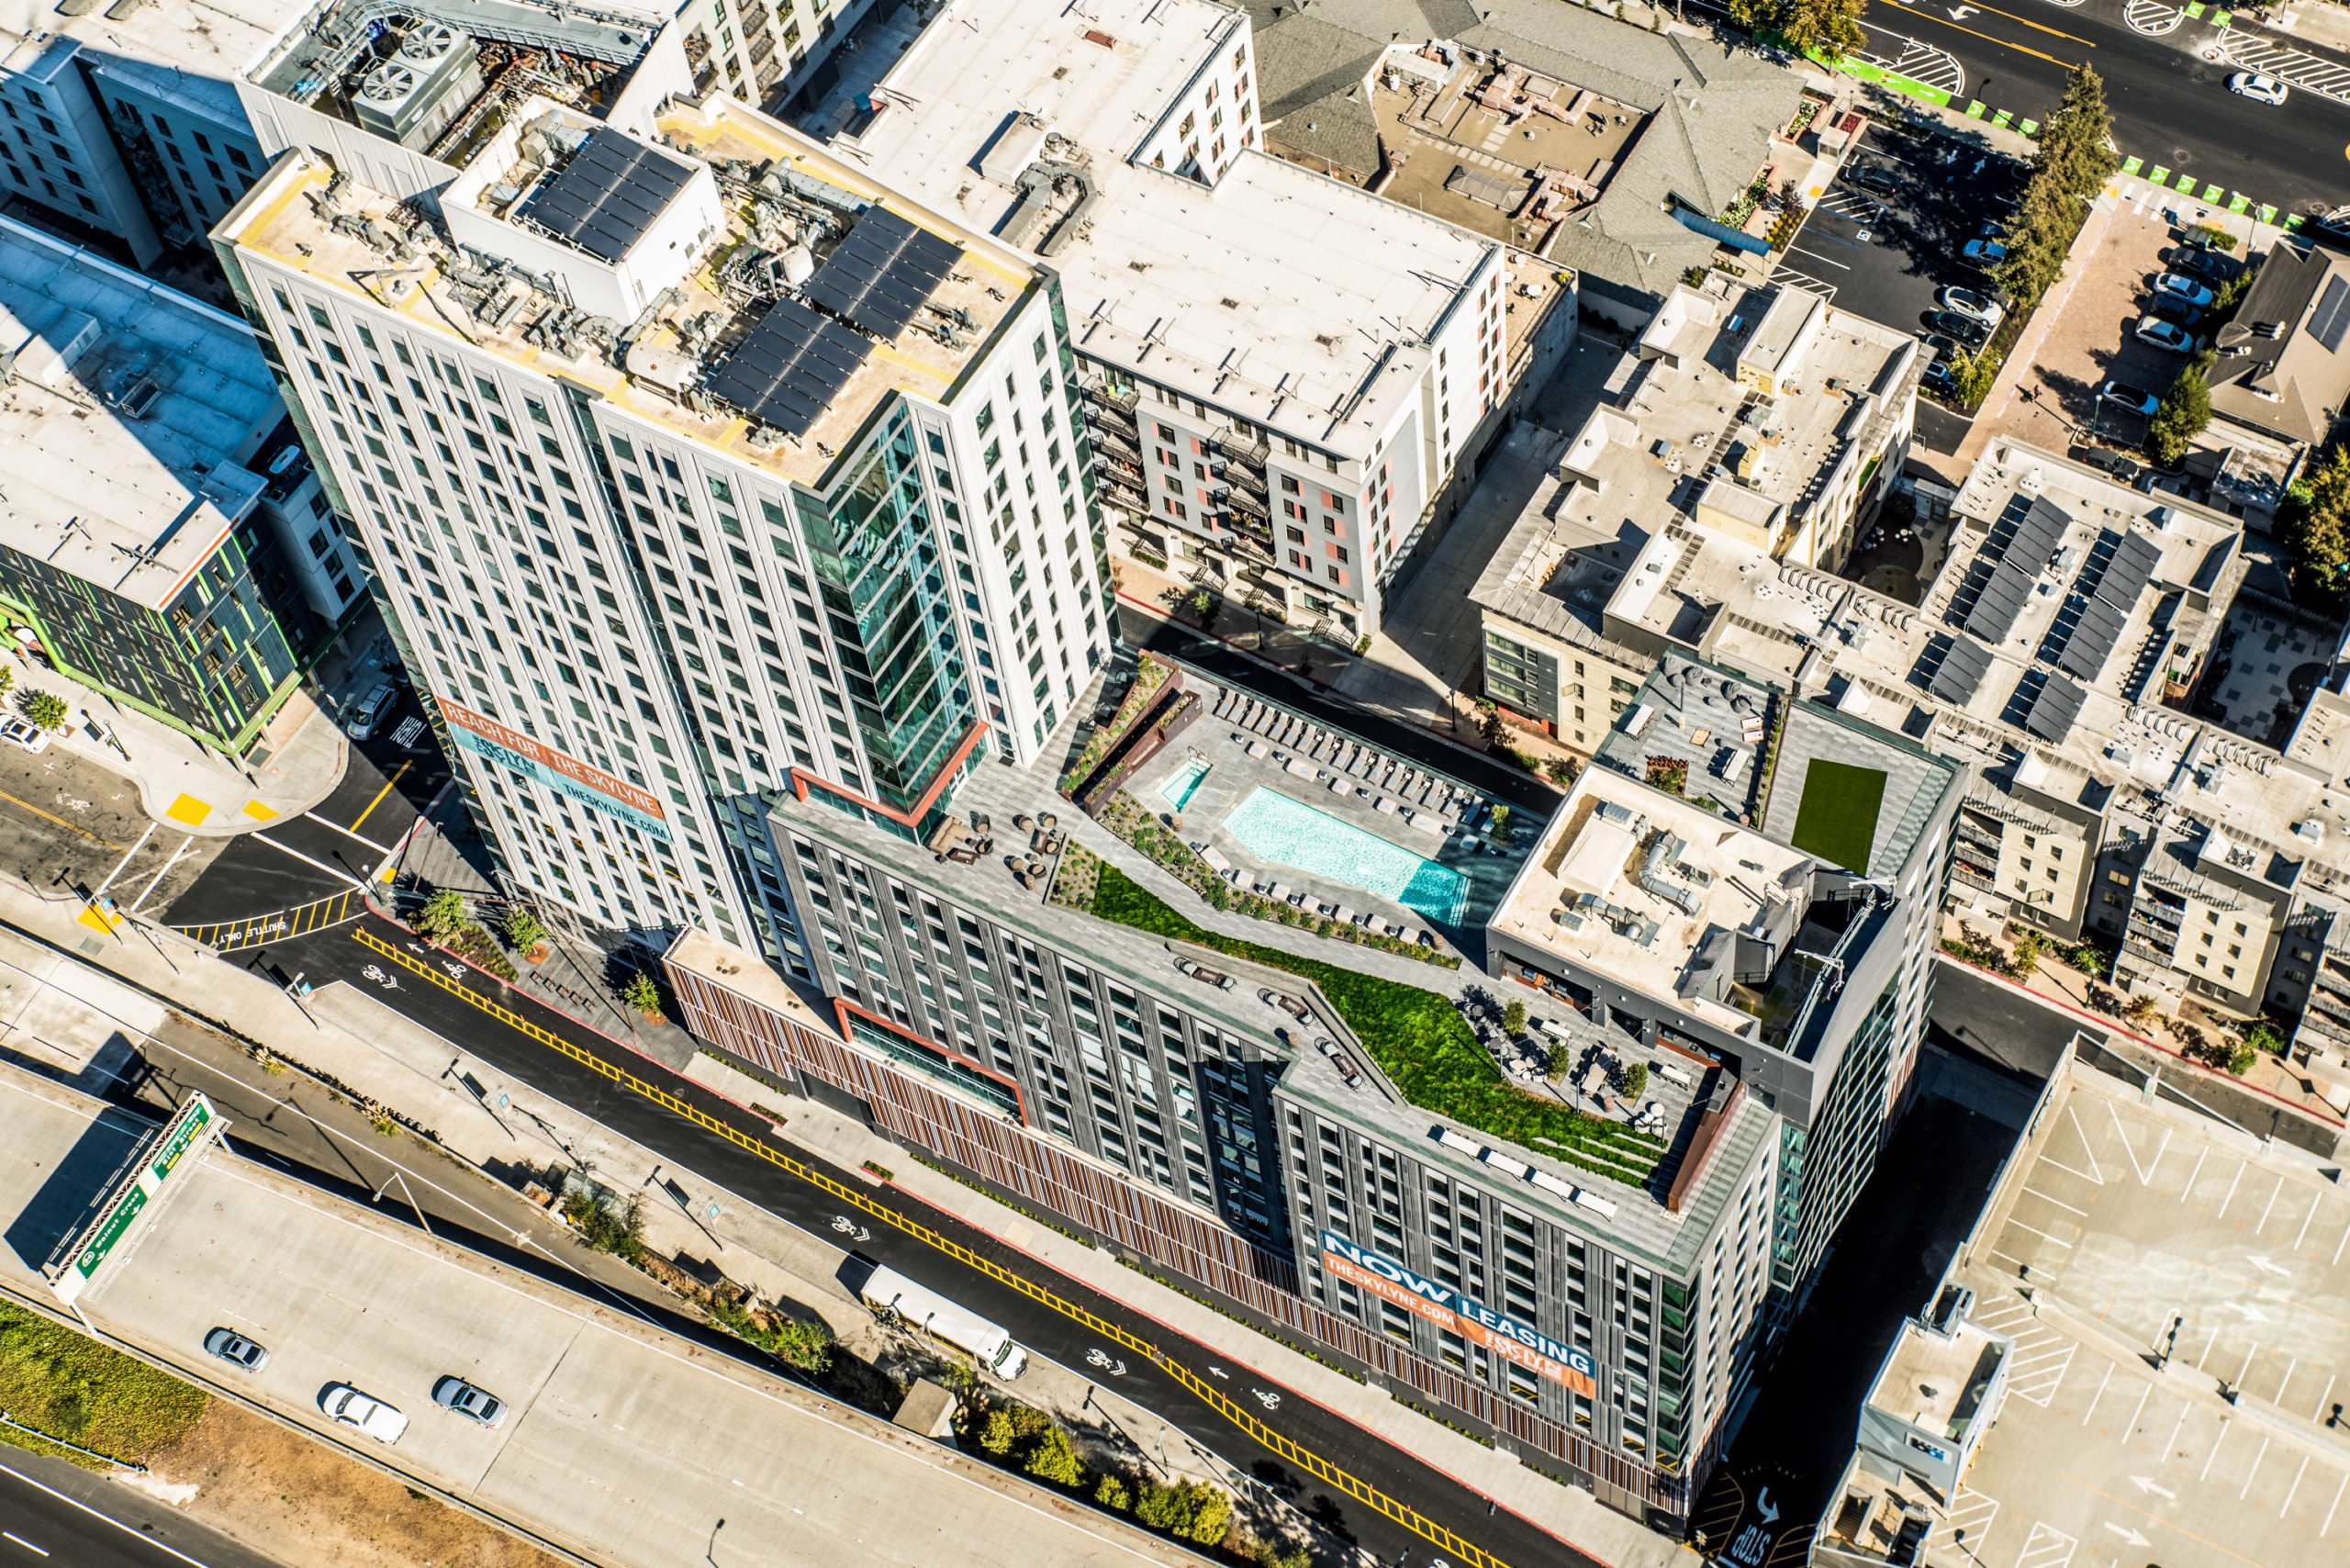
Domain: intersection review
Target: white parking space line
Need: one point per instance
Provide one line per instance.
(2188, 1191)
(2336, 1259)
(2325, 1527)
(2302, 1234)
(2042, 1234)
(2145, 1391)
(2242, 1491)
(2217, 1444)
(2290, 1491)
(2178, 1427)
(2319, 1413)
(2058, 1202)
(2145, 1174)
(2286, 1382)
(2089, 1414)
(2268, 1208)
(2231, 1198)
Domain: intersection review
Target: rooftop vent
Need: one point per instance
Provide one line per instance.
(1095, 35)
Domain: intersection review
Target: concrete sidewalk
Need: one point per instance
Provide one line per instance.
(185, 784)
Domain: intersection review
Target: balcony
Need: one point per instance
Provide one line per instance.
(1247, 478)
(1111, 439)
(1241, 501)
(1098, 391)
(1232, 443)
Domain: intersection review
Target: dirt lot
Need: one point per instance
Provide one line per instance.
(287, 1495)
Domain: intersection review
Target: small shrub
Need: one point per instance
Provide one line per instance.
(641, 992)
(996, 1433)
(442, 916)
(1636, 1081)
(2240, 1059)
(605, 1227)
(1190, 1510)
(1052, 1460)
(1562, 770)
(2088, 958)
(1514, 1018)
(522, 929)
(1111, 1494)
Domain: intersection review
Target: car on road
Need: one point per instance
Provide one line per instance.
(2185, 289)
(2257, 86)
(459, 1397)
(1965, 328)
(1985, 252)
(1971, 302)
(1870, 178)
(2122, 395)
(236, 1350)
(25, 733)
(343, 1403)
(369, 710)
(2166, 335)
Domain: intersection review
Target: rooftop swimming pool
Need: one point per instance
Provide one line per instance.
(1176, 788)
(1274, 827)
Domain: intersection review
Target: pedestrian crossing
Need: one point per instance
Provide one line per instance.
(1923, 63)
(2152, 17)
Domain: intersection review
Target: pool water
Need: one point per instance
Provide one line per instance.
(1290, 833)
(1176, 787)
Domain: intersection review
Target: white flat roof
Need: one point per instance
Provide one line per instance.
(215, 40)
(88, 489)
(1289, 298)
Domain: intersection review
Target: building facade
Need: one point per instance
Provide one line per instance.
(162, 536)
(661, 539)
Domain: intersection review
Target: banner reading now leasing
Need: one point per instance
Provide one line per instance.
(588, 785)
(1462, 1315)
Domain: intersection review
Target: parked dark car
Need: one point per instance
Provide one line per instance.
(1965, 328)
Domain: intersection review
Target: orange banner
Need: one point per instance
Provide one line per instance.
(1470, 1329)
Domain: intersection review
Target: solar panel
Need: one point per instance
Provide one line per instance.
(790, 368)
(882, 274)
(2084, 654)
(2038, 532)
(2133, 568)
(2332, 315)
(1961, 669)
(2055, 709)
(608, 195)
(2003, 599)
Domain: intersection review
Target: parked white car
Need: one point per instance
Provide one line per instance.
(2166, 335)
(25, 733)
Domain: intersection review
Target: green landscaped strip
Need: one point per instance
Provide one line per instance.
(58, 1380)
(1419, 1040)
(1837, 817)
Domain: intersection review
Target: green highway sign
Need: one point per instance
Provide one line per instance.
(195, 1124)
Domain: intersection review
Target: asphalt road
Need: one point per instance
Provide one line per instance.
(60, 1515)
(331, 846)
(1514, 1540)
(2170, 105)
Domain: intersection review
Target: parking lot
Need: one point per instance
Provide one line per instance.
(1893, 227)
(2129, 1217)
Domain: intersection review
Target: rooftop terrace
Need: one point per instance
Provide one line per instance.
(773, 184)
(127, 422)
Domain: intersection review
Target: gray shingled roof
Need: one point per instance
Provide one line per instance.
(2292, 384)
(1713, 111)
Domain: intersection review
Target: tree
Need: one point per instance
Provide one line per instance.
(1828, 27)
(2185, 410)
(2074, 158)
(1189, 1509)
(2316, 525)
(2263, 1036)
(1971, 376)
(7, 680)
(1636, 1081)
(808, 1345)
(45, 708)
(442, 916)
(1052, 1460)
(1113, 1493)
(2087, 958)
(523, 930)
(643, 992)
(997, 1433)
(1562, 1060)
(2140, 1010)
(1514, 1018)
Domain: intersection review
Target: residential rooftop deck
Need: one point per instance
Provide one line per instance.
(127, 422)
(986, 286)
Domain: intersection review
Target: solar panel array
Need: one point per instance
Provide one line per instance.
(790, 368)
(2332, 315)
(2120, 566)
(608, 195)
(2000, 601)
(1960, 672)
(2038, 532)
(882, 274)
(2055, 707)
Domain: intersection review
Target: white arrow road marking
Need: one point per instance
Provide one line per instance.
(2128, 1536)
(2146, 1484)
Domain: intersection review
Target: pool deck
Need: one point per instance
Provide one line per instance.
(1485, 869)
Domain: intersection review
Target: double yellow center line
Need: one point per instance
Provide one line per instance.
(1930, 12)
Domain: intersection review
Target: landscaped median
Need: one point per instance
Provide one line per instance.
(95, 1401)
(1418, 1039)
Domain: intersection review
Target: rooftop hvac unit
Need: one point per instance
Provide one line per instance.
(413, 97)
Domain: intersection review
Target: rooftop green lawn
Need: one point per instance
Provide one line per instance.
(1419, 1040)
(1837, 817)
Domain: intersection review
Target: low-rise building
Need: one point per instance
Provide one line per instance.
(1763, 415)
(2283, 371)
(1594, 144)
(1289, 379)
(162, 534)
